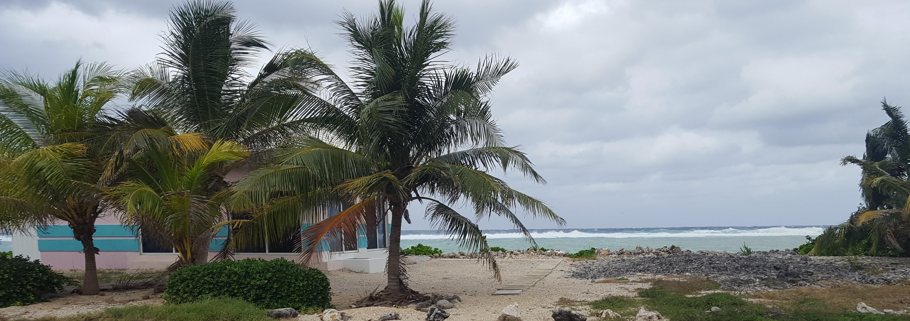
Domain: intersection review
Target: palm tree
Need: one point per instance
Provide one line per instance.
(198, 85)
(410, 129)
(166, 194)
(51, 167)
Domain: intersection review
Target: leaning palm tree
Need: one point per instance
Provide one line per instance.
(52, 168)
(410, 129)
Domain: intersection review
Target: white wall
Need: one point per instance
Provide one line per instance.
(26, 244)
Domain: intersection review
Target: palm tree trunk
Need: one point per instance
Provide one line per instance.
(83, 233)
(395, 283)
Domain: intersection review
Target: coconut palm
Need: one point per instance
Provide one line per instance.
(411, 128)
(198, 85)
(166, 194)
(52, 170)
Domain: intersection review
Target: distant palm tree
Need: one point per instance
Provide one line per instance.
(52, 168)
(410, 129)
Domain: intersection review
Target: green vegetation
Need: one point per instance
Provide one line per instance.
(538, 248)
(745, 250)
(213, 309)
(26, 282)
(881, 225)
(589, 254)
(267, 284)
(807, 247)
(498, 249)
(421, 249)
(7, 254)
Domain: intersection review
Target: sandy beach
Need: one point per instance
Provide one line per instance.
(469, 279)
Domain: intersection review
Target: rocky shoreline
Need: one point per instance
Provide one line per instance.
(762, 270)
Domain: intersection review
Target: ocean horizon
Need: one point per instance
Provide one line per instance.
(713, 238)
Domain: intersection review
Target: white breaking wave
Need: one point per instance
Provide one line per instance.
(656, 233)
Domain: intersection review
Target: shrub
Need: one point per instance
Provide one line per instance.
(807, 247)
(421, 249)
(7, 254)
(267, 284)
(498, 249)
(25, 282)
(538, 248)
(585, 254)
(745, 250)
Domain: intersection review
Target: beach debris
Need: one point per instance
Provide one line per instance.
(283, 313)
(863, 308)
(510, 313)
(436, 314)
(645, 314)
(566, 314)
(774, 313)
(444, 304)
(889, 311)
(334, 315)
(389, 316)
(609, 314)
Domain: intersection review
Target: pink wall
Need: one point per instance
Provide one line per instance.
(76, 260)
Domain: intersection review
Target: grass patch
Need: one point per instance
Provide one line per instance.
(685, 286)
(216, 309)
(839, 298)
(590, 254)
(113, 276)
(668, 298)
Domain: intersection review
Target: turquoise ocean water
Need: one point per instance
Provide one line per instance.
(723, 238)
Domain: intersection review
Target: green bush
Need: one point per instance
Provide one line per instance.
(585, 254)
(7, 254)
(267, 284)
(538, 248)
(25, 282)
(421, 249)
(806, 247)
(498, 249)
(745, 250)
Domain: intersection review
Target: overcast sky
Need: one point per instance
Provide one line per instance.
(638, 113)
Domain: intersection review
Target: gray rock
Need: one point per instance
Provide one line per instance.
(389, 316)
(452, 298)
(283, 313)
(444, 304)
(863, 308)
(714, 309)
(609, 314)
(645, 314)
(566, 314)
(435, 314)
(510, 313)
(424, 306)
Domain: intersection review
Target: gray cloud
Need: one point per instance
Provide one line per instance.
(658, 113)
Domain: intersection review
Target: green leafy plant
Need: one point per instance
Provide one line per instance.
(421, 249)
(585, 254)
(745, 250)
(498, 249)
(538, 248)
(267, 284)
(25, 282)
(807, 247)
(6, 254)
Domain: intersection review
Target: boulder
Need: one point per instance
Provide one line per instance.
(714, 309)
(334, 315)
(424, 306)
(283, 313)
(645, 314)
(389, 316)
(863, 308)
(566, 314)
(609, 314)
(435, 314)
(510, 313)
(444, 304)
